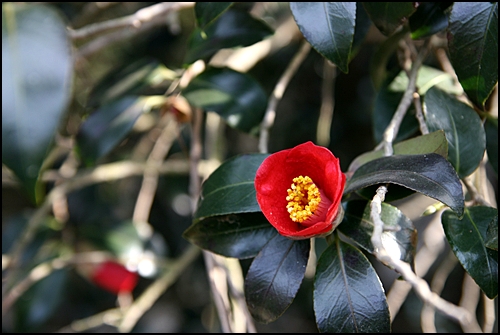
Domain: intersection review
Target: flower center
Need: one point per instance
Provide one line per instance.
(303, 199)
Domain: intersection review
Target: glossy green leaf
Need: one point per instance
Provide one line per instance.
(492, 234)
(491, 130)
(434, 142)
(107, 127)
(429, 174)
(238, 236)
(131, 79)
(207, 12)
(361, 28)
(274, 277)
(234, 28)
(429, 19)
(386, 103)
(473, 47)
(389, 16)
(236, 97)
(467, 237)
(462, 126)
(328, 27)
(230, 189)
(358, 226)
(36, 86)
(348, 294)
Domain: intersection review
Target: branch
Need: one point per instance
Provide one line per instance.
(327, 104)
(142, 20)
(277, 94)
(392, 129)
(420, 286)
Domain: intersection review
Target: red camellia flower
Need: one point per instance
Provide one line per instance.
(114, 277)
(299, 190)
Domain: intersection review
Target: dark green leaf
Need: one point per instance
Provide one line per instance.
(234, 28)
(348, 295)
(329, 27)
(467, 237)
(236, 97)
(275, 276)
(389, 16)
(361, 28)
(473, 47)
(492, 234)
(434, 142)
(36, 86)
(239, 236)
(462, 126)
(358, 226)
(207, 12)
(429, 174)
(429, 19)
(230, 189)
(491, 130)
(107, 127)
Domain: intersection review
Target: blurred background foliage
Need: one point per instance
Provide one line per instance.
(98, 217)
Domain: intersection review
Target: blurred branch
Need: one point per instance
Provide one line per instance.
(131, 25)
(418, 284)
(277, 94)
(327, 104)
(149, 184)
(392, 129)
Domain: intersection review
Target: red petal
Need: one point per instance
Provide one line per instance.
(114, 277)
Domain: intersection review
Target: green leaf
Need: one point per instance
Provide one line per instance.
(234, 28)
(238, 236)
(467, 237)
(348, 295)
(473, 47)
(492, 234)
(434, 142)
(429, 174)
(389, 16)
(328, 27)
(207, 12)
(107, 127)
(36, 86)
(230, 189)
(274, 277)
(235, 96)
(462, 126)
(427, 77)
(429, 19)
(358, 226)
(491, 130)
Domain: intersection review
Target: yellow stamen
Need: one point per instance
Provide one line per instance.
(303, 199)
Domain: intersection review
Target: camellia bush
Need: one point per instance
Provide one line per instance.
(227, 167)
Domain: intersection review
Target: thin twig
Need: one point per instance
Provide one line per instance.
(474, 193)
(418, 284)
(420, 114)
(127, 26)
(277, 94)
(392, 129)
(327, 104)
